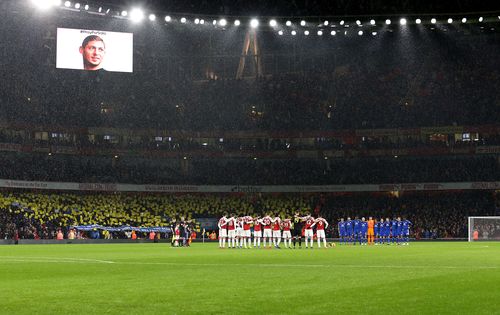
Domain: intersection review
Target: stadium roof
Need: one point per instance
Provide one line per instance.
(312, 7)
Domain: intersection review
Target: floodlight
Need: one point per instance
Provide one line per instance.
(254, 23)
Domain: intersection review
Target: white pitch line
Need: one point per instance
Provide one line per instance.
(54, 259)
(85, 260)
(309, 266)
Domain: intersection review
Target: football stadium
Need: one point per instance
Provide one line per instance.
(249, 157)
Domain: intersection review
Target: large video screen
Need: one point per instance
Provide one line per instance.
(94, 50)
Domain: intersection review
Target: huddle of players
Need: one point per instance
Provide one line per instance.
(386, 231)
(236, 230)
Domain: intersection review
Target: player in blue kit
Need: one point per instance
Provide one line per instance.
(357, 230)
(349, 230)
(342, 231)
(387, 231)
(399, 231)
(394, 231)
(363, 231)
(406, 231)
(377, 232)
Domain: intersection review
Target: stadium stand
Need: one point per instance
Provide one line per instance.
(434, 215)
(419, 106)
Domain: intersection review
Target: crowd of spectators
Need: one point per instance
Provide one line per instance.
(487, 229)
(42, 214)
(434, 215)
(187, 82)
(248, 171)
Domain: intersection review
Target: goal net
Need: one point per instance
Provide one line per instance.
(484, 229)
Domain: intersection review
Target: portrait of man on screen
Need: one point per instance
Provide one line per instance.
(93, 51)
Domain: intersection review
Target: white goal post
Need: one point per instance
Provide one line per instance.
(484, 229)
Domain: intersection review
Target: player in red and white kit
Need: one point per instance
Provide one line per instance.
(266, 222)
(286, 224)
(257, 231)
(321, 224)
(308, 231)
(246, 236)
(222, 231)
(177, 232)
(231, 231)
(276, 232)
(239, 232)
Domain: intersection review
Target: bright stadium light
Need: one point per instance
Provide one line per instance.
(418, 21)
(280, 32)
(358, 22)
(450, 20)
(254, 23)
(43, 4)
(464, 20)
(202, 21)
(481, 19)
(360, 33)
(183, 20)
(86, 7)
(402, 21)
(374, 33)
(320, 33)
(168, 18)
(107, 11)
(388, 22)
(124, 13)
(302, 23)
(342, 22)
(67, 4)
(196, 21)
(372, 22)
(237, 22)
(294, 33)
(152, 17)
(100, 9)
(136, 15)
(214, 22)
(273, 23)
(288, 23)
(306, 33)
(433, 21)
(77, 5)
(325, 23)
(333, 33)
(222, 22)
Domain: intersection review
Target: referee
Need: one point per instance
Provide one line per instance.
(297, 230)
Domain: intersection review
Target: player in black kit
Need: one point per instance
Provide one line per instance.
(297, 230)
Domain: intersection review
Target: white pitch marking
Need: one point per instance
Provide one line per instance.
(86, 260)
(54, 259)
(314, 266)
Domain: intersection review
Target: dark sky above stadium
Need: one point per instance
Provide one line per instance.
(312, 7)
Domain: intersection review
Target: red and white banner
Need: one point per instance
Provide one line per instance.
(113, 187)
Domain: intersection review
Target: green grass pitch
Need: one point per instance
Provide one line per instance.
(423, 278)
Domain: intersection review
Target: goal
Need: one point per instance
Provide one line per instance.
(484, 229)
